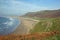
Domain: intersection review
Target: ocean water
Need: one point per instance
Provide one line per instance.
(8, 25)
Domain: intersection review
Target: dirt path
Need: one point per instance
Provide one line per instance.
(49, 25)
(25, 26)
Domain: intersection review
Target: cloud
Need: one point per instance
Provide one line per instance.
(13, 7)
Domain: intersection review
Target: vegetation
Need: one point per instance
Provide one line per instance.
(47, 25)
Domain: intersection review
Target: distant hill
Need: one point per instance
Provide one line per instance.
(44, 14)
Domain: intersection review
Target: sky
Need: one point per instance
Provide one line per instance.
(21, 7)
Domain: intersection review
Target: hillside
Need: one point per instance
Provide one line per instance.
(47, 25)
(44, 14)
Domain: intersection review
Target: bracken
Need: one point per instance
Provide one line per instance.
(36, 36)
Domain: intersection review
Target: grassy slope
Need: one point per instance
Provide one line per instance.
(48, 24)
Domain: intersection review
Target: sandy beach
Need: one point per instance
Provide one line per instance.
(26, 25)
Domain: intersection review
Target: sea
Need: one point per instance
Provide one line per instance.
(8, 25)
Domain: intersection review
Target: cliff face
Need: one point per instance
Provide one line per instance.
(44, 14)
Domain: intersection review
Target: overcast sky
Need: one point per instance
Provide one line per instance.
(20, 7)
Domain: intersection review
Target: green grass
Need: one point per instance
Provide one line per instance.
(48, 24)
